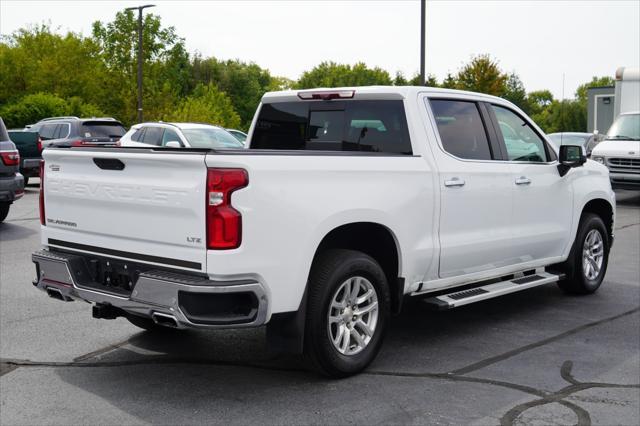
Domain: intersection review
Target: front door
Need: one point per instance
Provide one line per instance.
(543, 200)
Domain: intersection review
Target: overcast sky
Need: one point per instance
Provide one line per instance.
(540, 40)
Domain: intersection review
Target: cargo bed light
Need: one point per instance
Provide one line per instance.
(327, 95)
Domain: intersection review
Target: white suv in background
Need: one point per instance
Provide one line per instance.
(179, 135)
(620, 151)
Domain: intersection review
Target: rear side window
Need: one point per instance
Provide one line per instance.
(369, 126)
(47, 131)
(461, 129)
(62, 131)
(98, 129)
(153, 136)
(137, 135)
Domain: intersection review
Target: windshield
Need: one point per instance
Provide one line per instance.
(626, 127)
(211, 138)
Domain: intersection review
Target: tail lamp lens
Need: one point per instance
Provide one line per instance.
(10, 158)
(41, 199)
(224, 223)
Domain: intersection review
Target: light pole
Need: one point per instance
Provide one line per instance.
(423, 7)
(140, 58)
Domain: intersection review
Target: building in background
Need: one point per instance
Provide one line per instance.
(600, 108)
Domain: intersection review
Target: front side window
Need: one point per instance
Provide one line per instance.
(170, 136)
(370, 126)
(461, 129)
(521, 141)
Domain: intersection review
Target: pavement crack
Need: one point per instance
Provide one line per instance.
(509, 354)
(584, 419)
(626, 226)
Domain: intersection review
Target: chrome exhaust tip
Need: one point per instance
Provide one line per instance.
(55, 293)
(164, 319)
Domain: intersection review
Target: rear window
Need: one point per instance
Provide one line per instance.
(368, 126)
(96, 129)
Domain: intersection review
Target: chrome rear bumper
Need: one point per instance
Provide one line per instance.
(156, 294)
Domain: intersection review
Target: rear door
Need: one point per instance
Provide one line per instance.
(476, 189)
(543, 200)
(133, 204)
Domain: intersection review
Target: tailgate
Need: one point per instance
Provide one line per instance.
(141, 205)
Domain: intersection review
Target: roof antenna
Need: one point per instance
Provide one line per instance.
(562, 112)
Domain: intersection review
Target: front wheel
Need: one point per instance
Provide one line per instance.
(347, 312)
(589, 257)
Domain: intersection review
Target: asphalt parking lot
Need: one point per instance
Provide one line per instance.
(537, 357)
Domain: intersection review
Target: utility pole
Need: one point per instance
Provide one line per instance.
(140, 57)
(423, 13)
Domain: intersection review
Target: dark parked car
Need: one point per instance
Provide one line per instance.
(11, 181)
(29, 146)
(74, 131)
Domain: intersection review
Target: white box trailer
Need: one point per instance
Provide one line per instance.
(627, 97)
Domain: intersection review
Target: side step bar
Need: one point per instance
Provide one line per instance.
(489, 291)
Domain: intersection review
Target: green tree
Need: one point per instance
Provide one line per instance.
(166, 64)
(36, 59)
(37, 106)
(581, 91)
(482, 74)
(206, 105)
(515, 92)
(331, 74)
(244, 83)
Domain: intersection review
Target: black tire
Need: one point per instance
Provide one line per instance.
(26, 181)
(4, 211)
(576, 281)
(331, 269)
(148, 324)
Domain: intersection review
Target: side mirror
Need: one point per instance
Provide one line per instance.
(173, 144)
(571, 156)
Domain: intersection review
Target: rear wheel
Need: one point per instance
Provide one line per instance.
(26, 180)
(589, 256)
(4, 211)
(347, 312)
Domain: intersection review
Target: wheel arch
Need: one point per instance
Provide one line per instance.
(375, 240)
(604, 210)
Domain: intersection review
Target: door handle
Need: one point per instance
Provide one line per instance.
(523, 180)
(453, 182)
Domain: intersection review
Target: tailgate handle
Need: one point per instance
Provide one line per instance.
(109, 163)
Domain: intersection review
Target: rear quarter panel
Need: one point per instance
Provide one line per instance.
(292, 202)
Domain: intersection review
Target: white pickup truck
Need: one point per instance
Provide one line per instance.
(346, 201)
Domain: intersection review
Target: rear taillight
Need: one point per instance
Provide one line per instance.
(39, 144)
(42, 219)
(224, 223)
(10, 158)
(78, 143)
